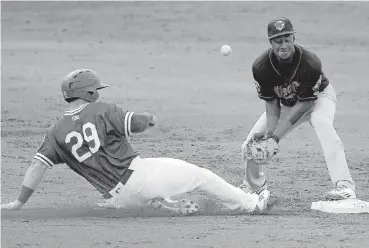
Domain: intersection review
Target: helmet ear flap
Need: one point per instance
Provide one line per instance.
(92, 95)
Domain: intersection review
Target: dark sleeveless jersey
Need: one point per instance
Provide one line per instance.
(93, 141)
(300, 80)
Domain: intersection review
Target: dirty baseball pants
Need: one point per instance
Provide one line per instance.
(321, 118)
(167, 177)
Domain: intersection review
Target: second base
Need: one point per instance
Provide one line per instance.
(348, 206)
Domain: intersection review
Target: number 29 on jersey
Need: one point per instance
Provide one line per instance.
(89, 134)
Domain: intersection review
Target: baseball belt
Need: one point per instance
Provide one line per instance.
(119, 186)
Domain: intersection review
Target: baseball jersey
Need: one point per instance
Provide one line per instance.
(93, 141)
(300, 80)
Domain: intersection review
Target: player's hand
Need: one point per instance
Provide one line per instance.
(153, 121)
(15, 205)
(262, 135)
(258, 136)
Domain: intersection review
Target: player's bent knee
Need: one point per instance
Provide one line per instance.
(205, 175)
(336, 142)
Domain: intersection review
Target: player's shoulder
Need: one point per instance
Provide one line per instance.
(102, 107)
(261, 60)
(49, 132)
(105, 109)
(310, 58)
(50, 129)
(261, 67)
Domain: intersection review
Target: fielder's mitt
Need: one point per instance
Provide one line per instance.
(261, 150)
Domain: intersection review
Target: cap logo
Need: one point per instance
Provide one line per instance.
(279, 25)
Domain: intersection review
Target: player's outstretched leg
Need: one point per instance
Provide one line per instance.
(167, 177)
(184, 206)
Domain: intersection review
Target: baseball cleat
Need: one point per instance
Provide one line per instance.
(340, 193)
(262, 201)
(186, 207)
(247, 188)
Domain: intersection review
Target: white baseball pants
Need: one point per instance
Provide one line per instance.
(168, 177)
(321, 118)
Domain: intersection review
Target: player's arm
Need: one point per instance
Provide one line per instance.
(293, 116)
(273, 112)
(266, 93)
(31, 180)
(129, 122)
(140, 122)
(45, 157)
(306, 97)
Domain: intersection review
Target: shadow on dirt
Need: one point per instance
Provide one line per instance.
(93, 211)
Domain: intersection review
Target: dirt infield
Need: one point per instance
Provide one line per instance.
(163, 57)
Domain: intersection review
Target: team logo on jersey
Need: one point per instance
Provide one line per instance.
(257, 85)
(287, 92)
(279, 25)
(318, 83)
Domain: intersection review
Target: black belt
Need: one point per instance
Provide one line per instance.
(124, 180)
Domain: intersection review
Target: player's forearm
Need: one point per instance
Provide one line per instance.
(141, 121)
(31, 180)
(293, 116)
(273, 112)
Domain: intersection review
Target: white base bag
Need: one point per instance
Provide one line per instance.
(347, 206)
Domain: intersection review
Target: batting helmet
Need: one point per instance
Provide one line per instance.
(82, 83)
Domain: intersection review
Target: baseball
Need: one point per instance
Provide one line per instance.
(226, 50)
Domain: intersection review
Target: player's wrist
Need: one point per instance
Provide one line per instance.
(282, 129)
(25, 194)
(268, 134)
(275, 138)
(19, 203)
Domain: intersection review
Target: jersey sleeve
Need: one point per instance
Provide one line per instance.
(309, 92)
(120, 119)
(309, 89)
(47, 154)
(263, 87)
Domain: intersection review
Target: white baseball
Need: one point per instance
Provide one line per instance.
(226, 50)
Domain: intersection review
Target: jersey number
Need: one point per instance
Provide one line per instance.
(88, 138)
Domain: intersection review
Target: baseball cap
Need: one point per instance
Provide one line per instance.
(280, 26)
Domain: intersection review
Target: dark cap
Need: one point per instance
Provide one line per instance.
(280, 26)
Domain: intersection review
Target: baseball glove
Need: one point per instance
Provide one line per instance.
(261, 150)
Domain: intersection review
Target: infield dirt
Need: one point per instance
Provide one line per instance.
(164, 57)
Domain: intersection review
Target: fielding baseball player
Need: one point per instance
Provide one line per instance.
(291, 81)
(92, 138)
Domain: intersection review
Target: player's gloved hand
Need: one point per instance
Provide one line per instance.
(271, 147)
(15, 205)
(261, 150)
(249, 149)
